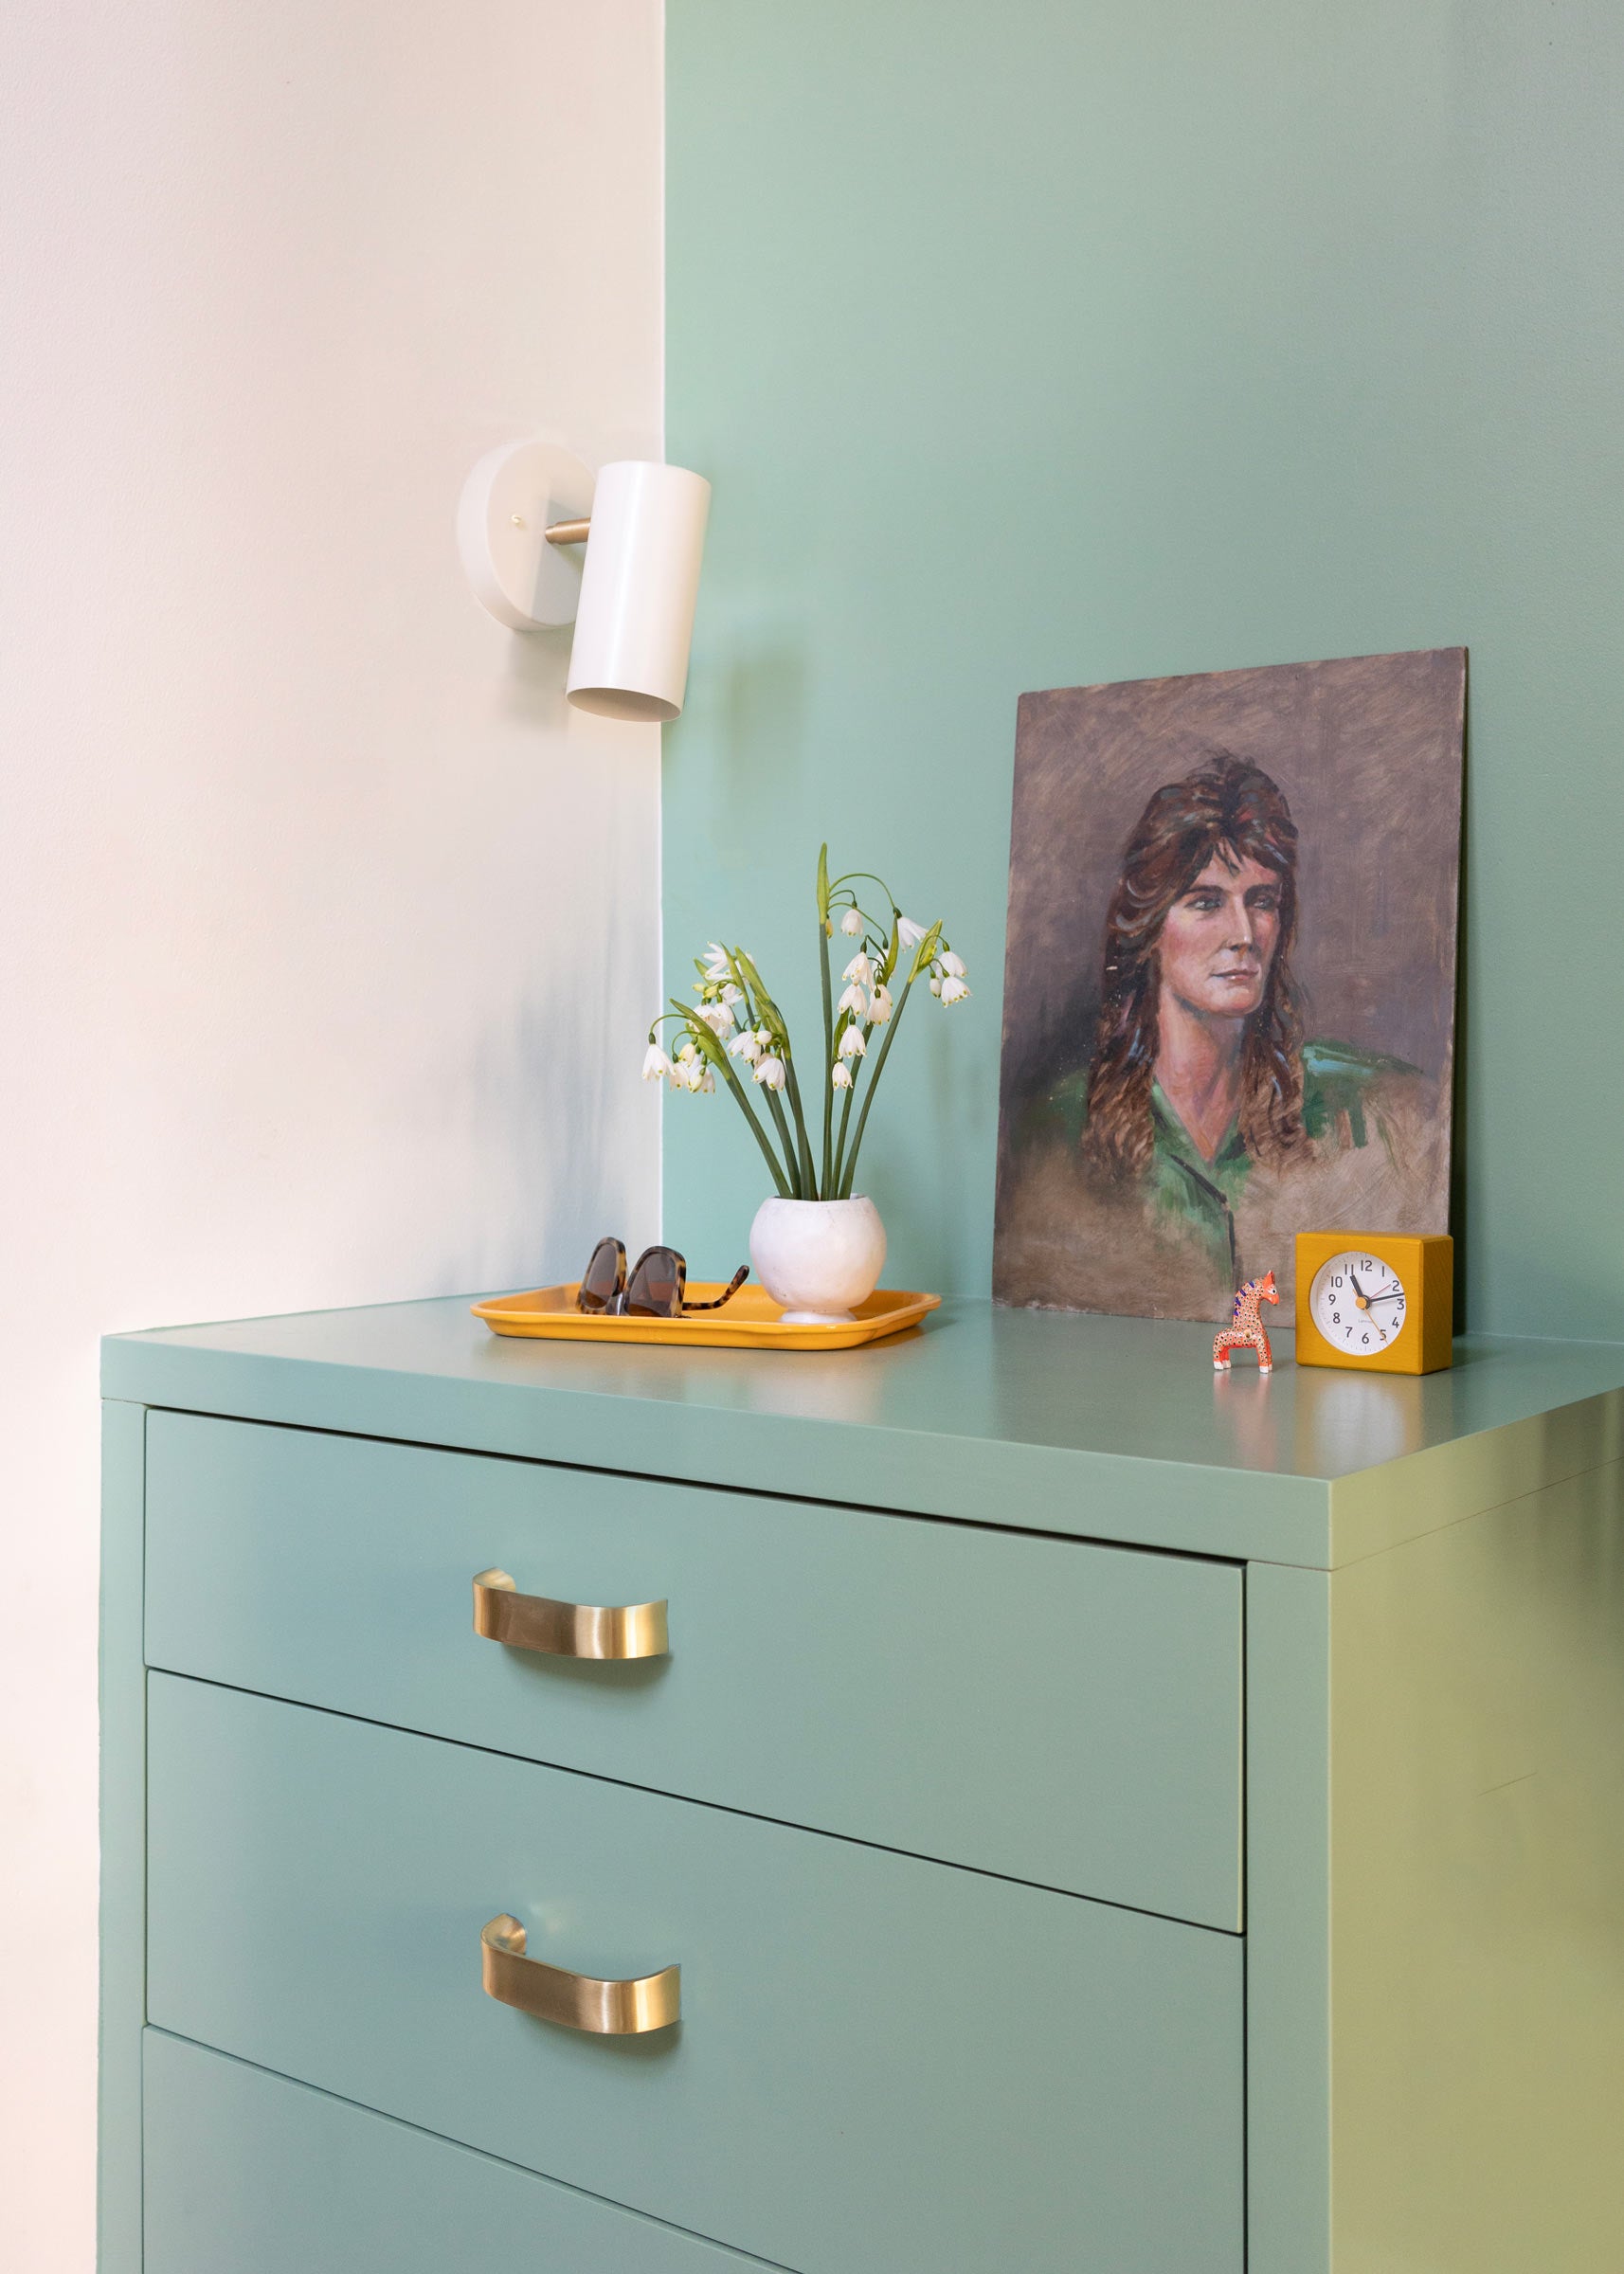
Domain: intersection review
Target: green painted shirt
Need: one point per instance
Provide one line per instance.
(1340, 1109)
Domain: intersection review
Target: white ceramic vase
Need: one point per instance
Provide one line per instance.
(819, 1258)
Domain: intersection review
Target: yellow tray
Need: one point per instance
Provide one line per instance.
(752, 1321)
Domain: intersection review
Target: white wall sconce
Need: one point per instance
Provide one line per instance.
(544, 545)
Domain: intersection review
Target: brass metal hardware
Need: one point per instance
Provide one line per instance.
(579, 2001)
(568, 533)
(535, 1622)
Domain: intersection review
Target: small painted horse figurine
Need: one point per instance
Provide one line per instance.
(1245, 1328)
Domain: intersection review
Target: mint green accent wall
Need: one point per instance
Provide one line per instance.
(1034, 344)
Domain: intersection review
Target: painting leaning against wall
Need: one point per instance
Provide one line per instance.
(1230, 981)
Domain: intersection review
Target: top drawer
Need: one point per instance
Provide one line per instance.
(1051, 1710)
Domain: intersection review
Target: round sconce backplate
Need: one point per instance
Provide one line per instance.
(509, 500)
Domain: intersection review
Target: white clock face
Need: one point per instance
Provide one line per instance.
(1359, 1303)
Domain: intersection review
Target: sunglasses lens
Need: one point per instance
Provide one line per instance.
(656, 1288)
(601, 1281)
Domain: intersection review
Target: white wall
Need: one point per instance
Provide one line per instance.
(327, 933)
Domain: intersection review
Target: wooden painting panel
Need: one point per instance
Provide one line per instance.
(1230, 980)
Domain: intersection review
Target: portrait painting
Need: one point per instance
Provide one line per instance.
(1230, 976)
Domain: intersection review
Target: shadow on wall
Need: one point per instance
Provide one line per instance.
(537, 666)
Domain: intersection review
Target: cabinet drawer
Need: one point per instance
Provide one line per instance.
(1042, 1709)
(248, 2173)
(883, 2066)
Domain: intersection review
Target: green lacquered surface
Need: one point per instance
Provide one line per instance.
(123, 1687)
(1476, 1932)
(1064, 1713)
(249, 2173)
(1112, 1428)
(883, 2066)
(1288, 1912)
(1029, 345)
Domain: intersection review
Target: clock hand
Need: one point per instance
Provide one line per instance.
(1356, 1289)
(1393, 1294)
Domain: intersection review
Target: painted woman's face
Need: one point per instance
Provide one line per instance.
(1218, 939)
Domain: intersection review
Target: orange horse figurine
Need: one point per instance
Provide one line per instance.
(1245, 1328)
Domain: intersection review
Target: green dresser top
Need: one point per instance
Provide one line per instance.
(1111, 1429)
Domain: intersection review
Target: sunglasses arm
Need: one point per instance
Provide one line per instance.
(733, 1286)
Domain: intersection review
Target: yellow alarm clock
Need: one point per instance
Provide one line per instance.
(1379, 1300)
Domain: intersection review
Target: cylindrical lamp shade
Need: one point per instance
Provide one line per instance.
(638, 588)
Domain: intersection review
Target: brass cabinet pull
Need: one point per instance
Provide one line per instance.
(579, 2001)
(535, 1622)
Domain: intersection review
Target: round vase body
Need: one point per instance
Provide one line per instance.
(819, 1258)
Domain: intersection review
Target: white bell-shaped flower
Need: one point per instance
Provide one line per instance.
(655, 1065)
(852, 1044)
(841, 1076)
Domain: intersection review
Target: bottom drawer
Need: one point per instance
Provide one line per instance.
(882, 2066)
(246, 2173)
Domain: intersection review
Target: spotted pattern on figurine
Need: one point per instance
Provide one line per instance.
(1245, 1328)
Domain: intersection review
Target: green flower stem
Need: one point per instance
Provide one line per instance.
(840, 1147)
(865, 877)
(808, 1174)
(781, 1121)
(758, 1133)
(873, 1084)
(827, 1188)
(797, 1151)
(717, 1058)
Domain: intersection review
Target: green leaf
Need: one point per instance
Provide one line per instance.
(701, 1036)
(924, 955)
(893, 951)
(751, 978)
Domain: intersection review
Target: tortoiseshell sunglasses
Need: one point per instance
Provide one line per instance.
(656, 1288)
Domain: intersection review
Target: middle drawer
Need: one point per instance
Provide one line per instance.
(880, 2066)
(1043, 1708)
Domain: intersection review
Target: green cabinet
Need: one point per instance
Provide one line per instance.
(869, 2044)
(1106, 1822)
(248, 2173)
(1044, 1708)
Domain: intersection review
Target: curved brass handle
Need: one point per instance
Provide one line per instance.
(535, 1622)
(579, 2001)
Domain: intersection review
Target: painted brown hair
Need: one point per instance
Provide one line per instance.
(1229, 809)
